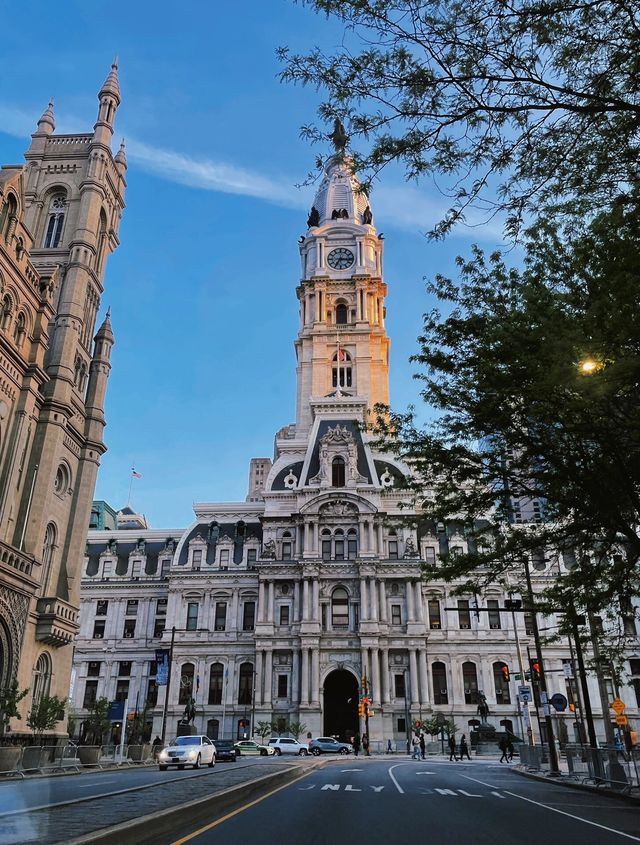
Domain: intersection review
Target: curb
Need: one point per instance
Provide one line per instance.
(580, 787)
(146, 830)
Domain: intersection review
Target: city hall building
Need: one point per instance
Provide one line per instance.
(277, 607)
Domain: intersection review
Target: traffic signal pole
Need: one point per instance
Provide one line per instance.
(524, 706)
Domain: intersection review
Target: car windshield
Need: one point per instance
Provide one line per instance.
(186, 740)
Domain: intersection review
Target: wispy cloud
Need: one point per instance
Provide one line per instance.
(399, 206)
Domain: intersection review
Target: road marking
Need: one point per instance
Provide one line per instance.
(391, 775)
(376, 788)
(425, 773)
(490, 785)
(469, 794)
(497, 794)
(92, 785)
(311, 785)
(351, 770)
(334, 786)
(447, 792)
(349, 788)
(572, 816)
(211, 825)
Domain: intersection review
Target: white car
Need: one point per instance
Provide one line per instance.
(285, 745)
(188, 751)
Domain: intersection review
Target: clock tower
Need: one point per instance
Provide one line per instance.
(342, 348)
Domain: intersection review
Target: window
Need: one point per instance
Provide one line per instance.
(338, 545)
(337, 472)
(340, 608)
(464, 617)
(628, 616)
(224, 557)
(132, 607)
(101, 608)
(41, 678)
(129, 628)
(252, 556)
(399, 685)
(326, 550)
(537, 560)
(62, 480)
(248, 617)
(245, 683)
(90, 694)
(221, 616)
(500, 674)
(430, 555)
(439, 675)
(165, 568)
(158, 627)
(161, 607)
(494, 613)
(216, 678)
(98, 629)
(124, 668)
(284, 614)
(341, 313)
(286, 550)
(597, 625)
(93, 669)
(186, 683)
(435, 621)
(283, 686)
(470, 683)
(122, 690)
(528, 624)
(352, 544)
(341, 373)
(396, 614)
(393, 550)
(196, 558)
(192, 616)
(55, 222)
(152, 692)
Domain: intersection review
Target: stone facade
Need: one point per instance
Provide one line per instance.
(277, 607)
(59, 219)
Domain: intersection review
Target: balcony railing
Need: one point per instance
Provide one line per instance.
(57, 621)
(20, 561)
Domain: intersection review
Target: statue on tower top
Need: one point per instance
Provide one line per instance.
(339, 137)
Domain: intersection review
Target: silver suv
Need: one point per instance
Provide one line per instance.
(285, 745)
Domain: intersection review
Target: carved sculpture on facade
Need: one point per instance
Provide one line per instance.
(410, 550)
(338, 508)
(367, 216)
(314, 217)
(269, 550)
(338, 442)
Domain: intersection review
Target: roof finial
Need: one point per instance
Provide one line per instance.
(47, 122)
(111, 85)
(121, 158)
(339, 137)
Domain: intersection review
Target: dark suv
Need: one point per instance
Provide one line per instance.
(225, 750)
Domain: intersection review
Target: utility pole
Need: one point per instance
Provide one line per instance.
(513, 605)
(166, 696)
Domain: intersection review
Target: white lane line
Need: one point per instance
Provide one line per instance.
(425, 773)
(572, 816)
(351, 770)
(484, 783)
(391, 775)
(497, 794)
(92, 785)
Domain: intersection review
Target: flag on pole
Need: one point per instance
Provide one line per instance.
(135, 474)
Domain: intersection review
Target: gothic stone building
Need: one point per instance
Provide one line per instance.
(279, 605)
(59, 219)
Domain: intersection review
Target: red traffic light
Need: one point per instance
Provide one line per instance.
(505, 673)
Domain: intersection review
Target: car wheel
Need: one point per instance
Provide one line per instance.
(344, 750)
(212, 762)
(277, 751)
(316, 752)
(263, 752)
(163, 768)
(196, 765)
(181, 766)
(302, 752)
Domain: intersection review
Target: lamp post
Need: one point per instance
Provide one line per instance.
(166, 695)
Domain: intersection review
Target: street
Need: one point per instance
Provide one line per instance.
(382, 801)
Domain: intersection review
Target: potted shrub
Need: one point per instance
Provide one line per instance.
(96, 724)
(10, 697)
(43, 717)
(139, 735)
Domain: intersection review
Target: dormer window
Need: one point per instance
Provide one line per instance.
(338, 472)
(55, 222)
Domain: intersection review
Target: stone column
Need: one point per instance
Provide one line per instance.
(385, 676)
(314, 538)
(364, 658)
(413, 669)
(373, 593)
(410, 608)
(418, 601)
(375, 675)
(370, 538)
(259, 659)
(307, 538)
(315, 610)
(268, 676)
(380, 537)
(261, 607)
(305, 600)
(364, 610)
(364, 536)
(295, 677)
(296, 615)
(271, 601)
(315, 675)
(422, 670)
(304, 677)
(383, 601)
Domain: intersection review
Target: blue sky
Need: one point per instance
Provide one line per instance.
(202, 288)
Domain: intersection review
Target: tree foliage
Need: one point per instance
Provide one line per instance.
(520, 418)
(520, 104)
(10, 697)
(45, 714)
(96, 723)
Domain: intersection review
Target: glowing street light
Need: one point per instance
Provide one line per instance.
(588, 366)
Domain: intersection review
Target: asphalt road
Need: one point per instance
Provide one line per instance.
(384, 802)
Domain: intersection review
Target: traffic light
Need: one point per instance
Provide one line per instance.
(535, 670)
(505, 673)
(361, 709)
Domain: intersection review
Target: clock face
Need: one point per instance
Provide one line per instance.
(340, 258)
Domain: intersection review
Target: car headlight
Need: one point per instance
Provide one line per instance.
(163, 755)
(191, 755)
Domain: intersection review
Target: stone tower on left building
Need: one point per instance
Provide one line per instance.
(59, 219)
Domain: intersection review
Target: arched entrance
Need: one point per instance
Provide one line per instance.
(340, 704)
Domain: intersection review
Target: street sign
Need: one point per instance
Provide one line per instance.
(618, 706)
(567, 668)
(524, 694)
(622, 721)
(559, 702)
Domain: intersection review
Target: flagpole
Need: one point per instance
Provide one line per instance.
(130, 486)
(224, 698)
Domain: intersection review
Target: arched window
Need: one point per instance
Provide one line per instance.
(470, 682)
(339, 608)
(55, 222)
(41, 678)
(341, 314)
(63, 480)
(7, 308)
(326, 544)
(48, 552)
(213, 728)
(439, 675)
(245, 683)
(20, 328)
(341, 374)
(338, 544)
(501, 682)
(215, 683)
(337, 472)
(9, 216)
(352, 544)
(186, 683)
(102, 239)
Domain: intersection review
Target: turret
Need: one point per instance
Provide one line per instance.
(121, 159)
(109, 99)
(46, 126)
(98, 376)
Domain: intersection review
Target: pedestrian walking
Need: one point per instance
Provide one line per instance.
(452, 748)
(415, 742)
(503, 745)
(510, 750)
(464, 748)
(365, 744)
(423, 747)
(356, 745)
(155, 748)
(389, 747)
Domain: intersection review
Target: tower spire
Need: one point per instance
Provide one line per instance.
(47, 123)
(109, 98)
